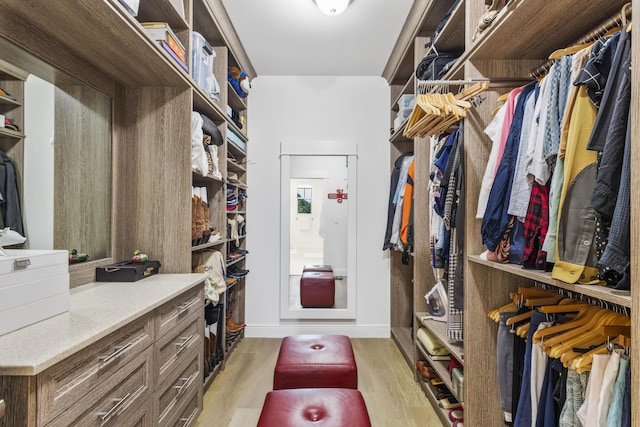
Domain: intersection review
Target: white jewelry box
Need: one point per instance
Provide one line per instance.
(34, 285)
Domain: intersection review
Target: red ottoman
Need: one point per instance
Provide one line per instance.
(329, 407)
(317, 289)
(315, 361)
(317, 267)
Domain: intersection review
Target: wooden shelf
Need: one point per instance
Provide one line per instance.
(161, 11)
(398, 137)
(202, 18)
(439, 329)
(123, 52)
(408, 88)
(198, 179)
(544, 25)
(235, 261)
(236, 129)
(440, 366)
(423, 19)
(5, 100)
(8, 133)
(208, 245)
(235, 101)
(206, 105)
(443, 414)
(451, 37)
(235, 150)
(622, 298)
(235, 167)
(402, 337)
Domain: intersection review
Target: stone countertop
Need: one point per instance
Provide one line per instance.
(96, 310)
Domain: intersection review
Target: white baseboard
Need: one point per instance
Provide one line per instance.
(281, 331)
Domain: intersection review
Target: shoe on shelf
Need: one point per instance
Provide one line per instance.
(233, 326)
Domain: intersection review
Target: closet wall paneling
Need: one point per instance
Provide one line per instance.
(152, 153)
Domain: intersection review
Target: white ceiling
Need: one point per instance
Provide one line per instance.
(293, 37)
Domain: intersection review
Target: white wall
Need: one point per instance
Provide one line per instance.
(38, 163)
(313, 109)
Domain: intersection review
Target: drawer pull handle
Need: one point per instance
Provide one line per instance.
(187, 421)
(105, 417)
(117, 352)
(185, 306)
(186, 382)
(22, 263)
(185, 343)
(3, 408)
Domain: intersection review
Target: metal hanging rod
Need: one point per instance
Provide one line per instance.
(450, 82)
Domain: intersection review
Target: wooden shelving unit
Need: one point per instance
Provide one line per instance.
(516, 42)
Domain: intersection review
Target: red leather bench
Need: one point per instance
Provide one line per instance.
(317, 289)
(329, 407)
(315, 361)
(317, 267)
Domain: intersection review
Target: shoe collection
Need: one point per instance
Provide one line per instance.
(425, 370)
(236, 273)
(200, 228)
(236, 255)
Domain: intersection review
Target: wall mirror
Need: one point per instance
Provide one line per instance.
(318, 225)
(63, 163)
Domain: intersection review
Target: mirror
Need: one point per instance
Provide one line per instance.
(318, 228)
(63, 163)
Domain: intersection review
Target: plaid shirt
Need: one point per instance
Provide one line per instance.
(536, 224)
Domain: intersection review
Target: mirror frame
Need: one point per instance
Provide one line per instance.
(318, 148)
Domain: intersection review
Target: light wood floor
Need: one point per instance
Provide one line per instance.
(393, 399)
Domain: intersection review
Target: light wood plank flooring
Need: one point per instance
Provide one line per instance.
(393, 399)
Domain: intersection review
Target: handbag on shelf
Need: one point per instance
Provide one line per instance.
(431, 66)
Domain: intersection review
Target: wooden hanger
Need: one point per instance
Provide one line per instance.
(583, 317)
(585, 336)
(519, 318)
(495, 313)
(623, 332)
(543, 301)
(569, 50)
(503, 97)
(562, 308)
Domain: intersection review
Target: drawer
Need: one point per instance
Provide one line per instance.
(188, 414)
(170, 314)
(116, 401)
(177, 386)
(172, 348)
(141, 417)
(75, 377)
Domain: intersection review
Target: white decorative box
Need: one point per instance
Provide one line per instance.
(34, 285)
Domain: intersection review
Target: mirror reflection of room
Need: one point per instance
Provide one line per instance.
(62, 155)
(318, 191)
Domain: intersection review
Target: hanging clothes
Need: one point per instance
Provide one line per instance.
(9, 196)
(395, 178)
(496, 218)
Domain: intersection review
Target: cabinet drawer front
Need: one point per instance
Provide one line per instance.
(173, 348)
(141, 417)
(116, 400)
(68, 381)
(170, 314)
(188, 414)
(179, 384)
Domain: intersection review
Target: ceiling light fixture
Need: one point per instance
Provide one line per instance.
(332, 7)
